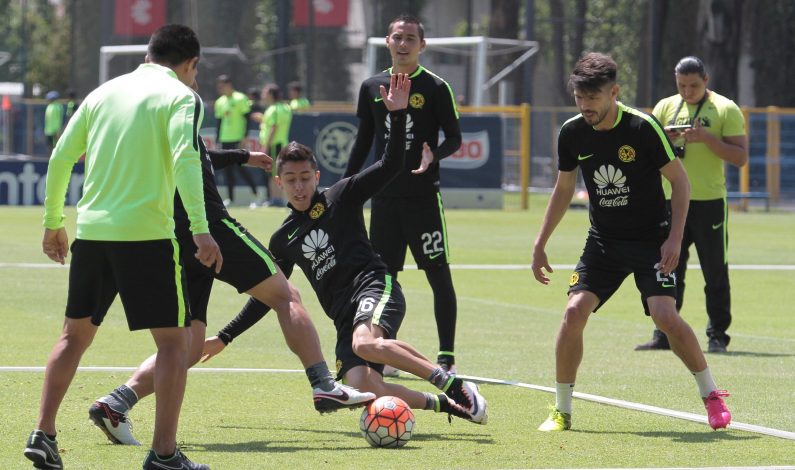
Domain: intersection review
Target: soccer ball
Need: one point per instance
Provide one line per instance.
(387, 422)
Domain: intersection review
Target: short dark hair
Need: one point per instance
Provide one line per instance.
(410, 19)
(295, 86)
(273, 90)
(691, 64)
(253, 93)
(295, 152)
(593, 71)
(173, 44)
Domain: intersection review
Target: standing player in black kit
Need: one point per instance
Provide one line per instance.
(409, 210)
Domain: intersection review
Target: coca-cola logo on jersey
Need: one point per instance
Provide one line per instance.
(473, 153)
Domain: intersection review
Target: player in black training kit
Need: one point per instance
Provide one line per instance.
(409, 210)
(249, 267)
(622, 154)
(325, 236)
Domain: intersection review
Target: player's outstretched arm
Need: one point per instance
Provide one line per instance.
(558, 204)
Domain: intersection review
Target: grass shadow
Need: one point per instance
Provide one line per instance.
(689, 437)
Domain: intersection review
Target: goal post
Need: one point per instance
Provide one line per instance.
(483, 47)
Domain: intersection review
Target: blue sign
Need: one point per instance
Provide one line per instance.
(477, 164)
(22, 183)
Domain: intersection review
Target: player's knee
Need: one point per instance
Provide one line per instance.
(367, 347)
(575, 316)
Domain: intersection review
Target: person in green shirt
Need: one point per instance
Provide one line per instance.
(708, 132)
(295, 94)
(139, 134)
(274, 134)
(232, 110)
(53, 119)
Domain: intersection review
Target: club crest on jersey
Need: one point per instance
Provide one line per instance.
(626, 154)
(575, 278)
(416, 101)
(317, 210)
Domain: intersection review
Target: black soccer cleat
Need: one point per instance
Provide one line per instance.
(43, 451)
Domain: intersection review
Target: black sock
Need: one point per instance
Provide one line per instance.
(440, 379)
(320, 377)
(50, 436)
(445, 306)
(121, 399)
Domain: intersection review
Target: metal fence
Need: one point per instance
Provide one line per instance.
(771, 167)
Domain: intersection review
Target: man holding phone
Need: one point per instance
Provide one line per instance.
(707, 129)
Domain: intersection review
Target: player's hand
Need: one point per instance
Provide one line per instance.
(398, 95)
(426, 160)
(669, 256)
(256, 117)
(697, 133)
(208, 252)
(540, 262)
(260, 160)
(212, 346)
(55, 244)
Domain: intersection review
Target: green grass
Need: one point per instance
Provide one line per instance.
(506, 329)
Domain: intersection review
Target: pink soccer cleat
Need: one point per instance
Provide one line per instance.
(717, 412)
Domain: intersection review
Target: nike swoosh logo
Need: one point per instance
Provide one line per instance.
(665, 284)
(378, 99)
(717, 226)
(435, 255)
(585, 157)
(114, 420)
(342, 396)
(168, 467)
(291, 235)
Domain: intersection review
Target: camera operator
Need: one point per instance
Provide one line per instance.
(707, 129)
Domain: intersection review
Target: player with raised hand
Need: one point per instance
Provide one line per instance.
(408, 212)
(325, 236)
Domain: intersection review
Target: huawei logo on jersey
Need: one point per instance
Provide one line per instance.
(611, 185)
(409, 123)
(317, 249)
(607, 175)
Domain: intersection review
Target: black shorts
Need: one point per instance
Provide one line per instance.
(147, 275)
(246, 263)
(414, 222)
(606, 263)
(376, 297)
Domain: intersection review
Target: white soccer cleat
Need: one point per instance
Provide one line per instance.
(116, 426)
(342, 396)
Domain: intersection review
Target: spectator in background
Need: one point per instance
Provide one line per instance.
(71, 104)
(254, 116)
(716, 136)
(274, 134)
(297, 101)
(53, 120)
(231, 109)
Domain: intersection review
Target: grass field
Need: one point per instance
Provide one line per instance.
(507, 323)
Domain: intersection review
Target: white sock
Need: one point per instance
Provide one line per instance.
(706, 384)
(563, 394)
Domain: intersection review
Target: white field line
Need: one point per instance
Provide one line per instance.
(641, 407)
(477, 267)
(583, 396)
